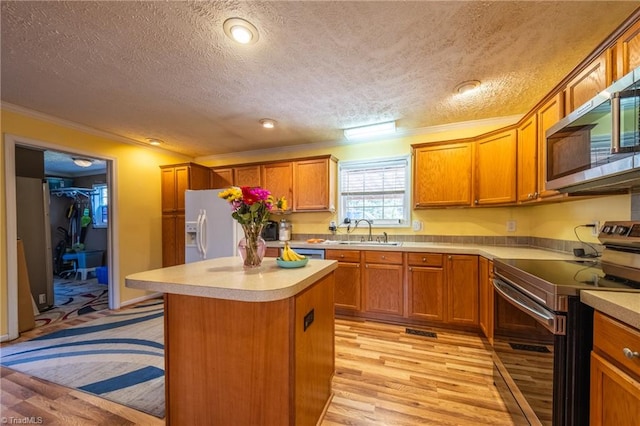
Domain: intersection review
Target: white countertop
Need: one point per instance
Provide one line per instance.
(490, 252)
(225, 278)
(620, 305)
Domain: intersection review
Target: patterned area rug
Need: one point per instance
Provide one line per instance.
(119, 357)
(73, 298)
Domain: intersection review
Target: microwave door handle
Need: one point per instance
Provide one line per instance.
(615, 123)
(543, 317)
(203, 235)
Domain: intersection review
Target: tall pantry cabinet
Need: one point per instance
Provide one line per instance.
(175, 180)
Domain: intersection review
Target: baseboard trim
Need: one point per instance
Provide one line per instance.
(141, 299)
(4, 338)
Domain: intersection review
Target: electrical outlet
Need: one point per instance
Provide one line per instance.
(42, 298)
(416, 225)
(511, 226)
(596, 228)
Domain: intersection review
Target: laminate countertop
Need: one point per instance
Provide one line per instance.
(488, 251)
(620, 305)
(226, 278)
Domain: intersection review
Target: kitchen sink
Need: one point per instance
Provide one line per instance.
(369, 243)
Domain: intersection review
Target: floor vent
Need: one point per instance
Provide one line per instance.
(530, 348)
(421, 333)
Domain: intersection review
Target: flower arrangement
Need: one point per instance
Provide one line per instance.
(251, 207)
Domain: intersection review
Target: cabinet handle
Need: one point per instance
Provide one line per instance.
(410, 268)
(424, 259)
(384, 257)
(475, 201)
(342, 256)
(449, 257)
(630, 354)
(366, 266)
(535, 194)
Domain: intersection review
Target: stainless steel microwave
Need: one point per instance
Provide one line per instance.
(597, 146)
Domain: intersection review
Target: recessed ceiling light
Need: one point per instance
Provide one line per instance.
(268, 123)
(466, 86)
(241, 31)
(82, 162)
(370, 131)
(154, 141)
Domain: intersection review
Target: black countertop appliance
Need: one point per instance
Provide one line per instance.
(270, 231)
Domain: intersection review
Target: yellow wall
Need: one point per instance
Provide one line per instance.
(138, 195)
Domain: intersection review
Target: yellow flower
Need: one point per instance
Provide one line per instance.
(231, 194)
(282, 203)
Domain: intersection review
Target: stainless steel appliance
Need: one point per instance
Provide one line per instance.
(546, 362)
(597, 147)
(270, 231)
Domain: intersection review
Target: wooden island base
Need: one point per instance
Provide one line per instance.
(234, 362)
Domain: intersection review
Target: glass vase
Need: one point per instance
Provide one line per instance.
(252, 247)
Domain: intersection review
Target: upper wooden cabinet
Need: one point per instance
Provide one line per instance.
(527, 167)
(314, 184)
(176, 179)
(627, 53)
(496, 168)
(250, 175)
(278, 179)
(548, 115)
(221, 178)
(443, 174)
(592, 80)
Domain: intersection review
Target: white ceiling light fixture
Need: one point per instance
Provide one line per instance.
(82, 162)
(466, 87)
(241, 31)
(370, 131)
(268, 123)
(155, 142)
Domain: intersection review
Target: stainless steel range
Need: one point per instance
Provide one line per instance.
(545, 356)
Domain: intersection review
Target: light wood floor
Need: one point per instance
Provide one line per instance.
(383, 377)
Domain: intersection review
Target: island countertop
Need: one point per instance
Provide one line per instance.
(226, 278)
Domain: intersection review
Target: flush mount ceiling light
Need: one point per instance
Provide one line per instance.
(370, 131)
(241, 31)
(268, 123)
(466, 86)
(82, 162)
(154, 141)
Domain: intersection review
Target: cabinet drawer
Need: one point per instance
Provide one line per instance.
(611, 337)
(424, 259)
(383, 257)
(342, 255)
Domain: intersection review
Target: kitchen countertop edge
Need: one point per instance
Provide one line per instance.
(622, 306)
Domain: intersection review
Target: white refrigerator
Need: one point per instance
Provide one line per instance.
(210, 231)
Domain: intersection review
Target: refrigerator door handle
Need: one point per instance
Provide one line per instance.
(203, 234)
(199, 232)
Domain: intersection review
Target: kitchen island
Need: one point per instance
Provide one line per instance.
(246, 346)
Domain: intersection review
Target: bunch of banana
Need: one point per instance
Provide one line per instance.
(289, 255)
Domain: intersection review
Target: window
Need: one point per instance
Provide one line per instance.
(376, 190)
(100, 205)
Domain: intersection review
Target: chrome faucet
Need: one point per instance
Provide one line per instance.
(368, 223)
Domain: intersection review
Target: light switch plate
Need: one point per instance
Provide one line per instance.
(511, 226)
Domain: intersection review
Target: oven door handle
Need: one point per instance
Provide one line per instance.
(548, 319)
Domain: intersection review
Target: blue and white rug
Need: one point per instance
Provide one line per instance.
(119, 357)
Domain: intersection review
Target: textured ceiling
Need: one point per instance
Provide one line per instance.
(166, 70)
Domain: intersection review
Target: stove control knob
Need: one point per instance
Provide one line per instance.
(607, 229)
(622, 230)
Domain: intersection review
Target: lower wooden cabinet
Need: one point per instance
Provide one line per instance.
(426, 286)
(272, 252)
(486, 300)
(615, 378)
(347, 278)
(383, 284)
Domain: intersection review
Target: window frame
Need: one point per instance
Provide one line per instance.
(404, 222)
(99, 196)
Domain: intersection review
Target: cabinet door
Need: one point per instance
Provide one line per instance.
(278, 178)
(247, 176)
(168, 240)
(615, 396)
(486, 301)
(168, 189)
(426, 293)
(528, 159)
(221, 178)
(347, 289)
(591, 81)
(272, 252)
(628, 51)
(496, 169)
(443, 175)
(313, 188)
(383, 289)
(548, 115)
(462, 289)
(181, 185)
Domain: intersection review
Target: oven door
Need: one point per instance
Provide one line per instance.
(530, 349)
